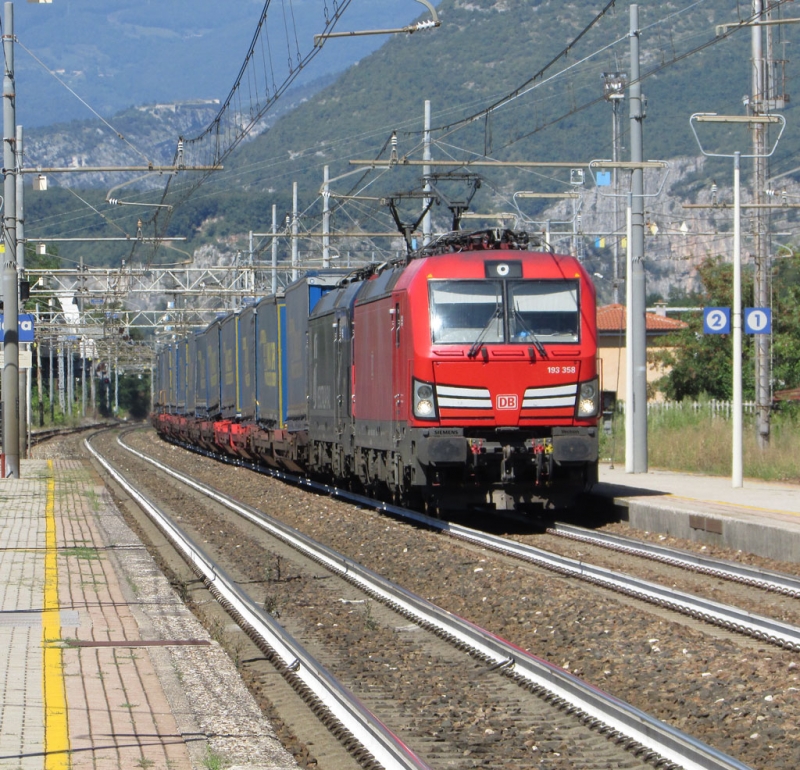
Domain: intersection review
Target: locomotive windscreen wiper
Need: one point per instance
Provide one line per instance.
(478, 344)
(529, 333)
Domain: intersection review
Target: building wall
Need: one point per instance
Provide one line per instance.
(613, 362)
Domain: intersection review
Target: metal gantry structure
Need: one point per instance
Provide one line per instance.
(16, 385)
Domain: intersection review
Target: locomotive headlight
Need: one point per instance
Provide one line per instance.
(424, 404)
(588, 399)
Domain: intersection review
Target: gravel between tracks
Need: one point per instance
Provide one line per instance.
(751, 599)
(740, 697)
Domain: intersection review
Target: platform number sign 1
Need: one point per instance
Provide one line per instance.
(716, 320)
(757, 320)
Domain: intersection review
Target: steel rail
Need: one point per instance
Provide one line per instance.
(749, 624)
(38, 436)
(385, 747)
(593, 706)
(725, 616)
(777, 582)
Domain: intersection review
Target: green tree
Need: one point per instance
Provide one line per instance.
(786, 322)
(134, 395)
(702, 363)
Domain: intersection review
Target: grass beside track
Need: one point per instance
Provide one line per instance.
(699, 442)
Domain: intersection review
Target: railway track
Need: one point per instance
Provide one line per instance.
(725, 616)
(737, 695)
(342, 713)
(768, 580)
(40, 436)
(571, 697)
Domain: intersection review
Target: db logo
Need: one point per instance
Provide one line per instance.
(507, 402)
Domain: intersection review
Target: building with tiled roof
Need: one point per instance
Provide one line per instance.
(611, 321)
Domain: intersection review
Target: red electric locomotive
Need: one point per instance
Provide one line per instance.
(466, 377)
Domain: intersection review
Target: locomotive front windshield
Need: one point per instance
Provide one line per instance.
(496, 312)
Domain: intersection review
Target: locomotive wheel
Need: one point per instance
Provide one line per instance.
(432, 507)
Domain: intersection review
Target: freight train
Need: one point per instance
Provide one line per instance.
(462, 376)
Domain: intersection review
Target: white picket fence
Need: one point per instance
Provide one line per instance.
(714, 408)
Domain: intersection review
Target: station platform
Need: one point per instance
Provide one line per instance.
(104, 667)
(760, 517)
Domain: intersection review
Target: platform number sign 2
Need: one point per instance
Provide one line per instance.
(716, 320)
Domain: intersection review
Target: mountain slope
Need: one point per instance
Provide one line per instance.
(484, 50)
(130, 52)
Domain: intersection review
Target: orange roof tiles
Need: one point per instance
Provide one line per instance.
(612, 318)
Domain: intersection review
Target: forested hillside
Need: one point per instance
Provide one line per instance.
(484, 51)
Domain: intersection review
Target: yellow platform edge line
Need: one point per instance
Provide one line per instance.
(56, 727)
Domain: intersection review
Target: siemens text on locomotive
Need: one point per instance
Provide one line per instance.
(465, 376)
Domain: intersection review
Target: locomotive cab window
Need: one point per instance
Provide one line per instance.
(496, 312)
(462, 311)
(544, 309)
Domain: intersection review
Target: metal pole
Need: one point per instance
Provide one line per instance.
(116, 386)
(274, 250)
(28, 410)
(736, 474)
(52, 404)
(72, 382)
(629, 430)
(82, 339)
(39, 386)
(25, 378)
(761, 292)
(575, 228)
(20, 187)
(326, 217)
(93, 388)
(294, 231)
(83, 376)
(252, 260)
(638, 296)
(427, 227)
(615, 188)
(10, 278)
(23, 413)
(70, 378)
(62, 360)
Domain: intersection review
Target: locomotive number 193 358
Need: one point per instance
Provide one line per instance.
(561, 370)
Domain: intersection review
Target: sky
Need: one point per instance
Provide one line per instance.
(118, 54)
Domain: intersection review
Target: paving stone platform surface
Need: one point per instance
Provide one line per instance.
(103, 665)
